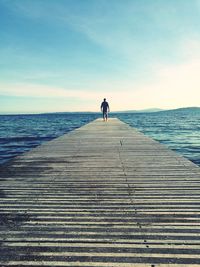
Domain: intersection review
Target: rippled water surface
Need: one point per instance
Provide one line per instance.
(20, 133)
(179, 130)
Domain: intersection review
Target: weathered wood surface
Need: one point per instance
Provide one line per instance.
(102, 195)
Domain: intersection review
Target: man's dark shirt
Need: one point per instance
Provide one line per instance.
(104, 106)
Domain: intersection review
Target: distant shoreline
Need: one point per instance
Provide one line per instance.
(153, 110)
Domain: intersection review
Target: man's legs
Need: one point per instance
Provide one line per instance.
(105, 115)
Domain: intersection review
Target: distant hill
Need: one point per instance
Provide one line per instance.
(149, 110)
(187, 109)
(141, 111)
(184, 110)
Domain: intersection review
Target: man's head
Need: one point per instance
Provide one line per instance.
(104, 99)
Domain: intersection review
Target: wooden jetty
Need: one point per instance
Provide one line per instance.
(104, 195)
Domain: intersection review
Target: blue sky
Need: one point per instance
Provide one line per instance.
(67, 55)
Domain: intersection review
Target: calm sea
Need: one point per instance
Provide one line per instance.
(179, 130)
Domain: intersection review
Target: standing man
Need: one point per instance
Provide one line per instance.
(105, 109)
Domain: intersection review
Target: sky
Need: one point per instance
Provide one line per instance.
(67, 55)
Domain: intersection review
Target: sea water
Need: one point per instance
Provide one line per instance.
(179, 130)
(20, 133)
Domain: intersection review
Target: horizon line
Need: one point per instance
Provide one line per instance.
(147, 110)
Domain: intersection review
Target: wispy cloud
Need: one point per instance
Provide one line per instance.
(38, 90)
(173, 86)
(138, 54)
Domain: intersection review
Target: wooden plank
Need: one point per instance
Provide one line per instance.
(102, 195)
